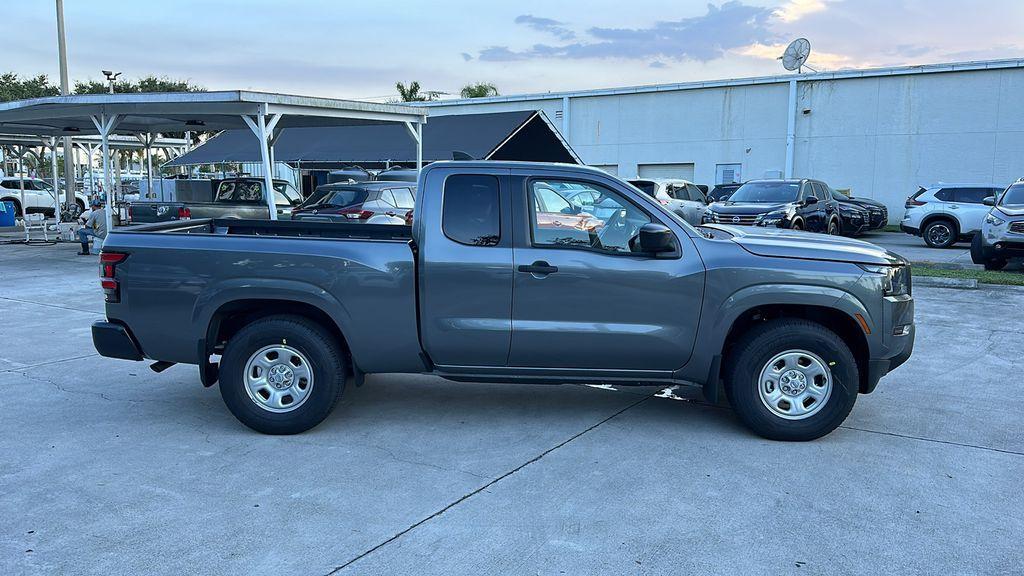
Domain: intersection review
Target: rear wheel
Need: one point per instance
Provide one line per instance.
(940, 233)
(282, 374)
(791, 380)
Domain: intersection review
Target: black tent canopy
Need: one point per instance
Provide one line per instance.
(521, 135)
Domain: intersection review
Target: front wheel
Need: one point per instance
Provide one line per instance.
(791, 380)
(833, 227)
(282, 374)
(797, 225)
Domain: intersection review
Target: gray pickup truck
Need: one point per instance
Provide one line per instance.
(497, 281)
(241, 198)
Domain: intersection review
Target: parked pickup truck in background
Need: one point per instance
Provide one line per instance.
(234, 198)
(484, 287)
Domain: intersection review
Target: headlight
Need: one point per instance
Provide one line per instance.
(895, 281)
(994, 220)
(771, 219)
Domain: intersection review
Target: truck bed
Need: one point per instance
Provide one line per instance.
(178, 276)
(279, 228)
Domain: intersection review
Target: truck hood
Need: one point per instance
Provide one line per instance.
(781, 243)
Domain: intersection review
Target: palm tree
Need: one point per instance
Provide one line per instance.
(479, 90)
(410, 93)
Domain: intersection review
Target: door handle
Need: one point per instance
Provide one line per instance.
(538, 267)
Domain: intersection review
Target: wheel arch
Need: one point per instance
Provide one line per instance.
(927, 220)
(835, 309)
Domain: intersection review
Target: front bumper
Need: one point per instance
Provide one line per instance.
(115, 341)
(891, 347)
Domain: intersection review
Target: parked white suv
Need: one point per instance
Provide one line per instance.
(945, 214)
(680, 196)
(1002, 233)
(38, 195)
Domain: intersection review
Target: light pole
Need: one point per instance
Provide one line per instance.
(111, 77)
(69, 155)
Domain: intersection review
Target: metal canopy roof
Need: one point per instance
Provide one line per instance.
(519, 135)
(181, 111)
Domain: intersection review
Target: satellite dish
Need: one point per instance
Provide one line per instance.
(796, 55)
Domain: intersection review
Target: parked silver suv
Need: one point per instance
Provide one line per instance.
(947, 213)
(1002, 231)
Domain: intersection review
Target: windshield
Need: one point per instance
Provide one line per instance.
(839, 195)
(285, 193)
(765, 192)
(1014, 196)
(340, 197)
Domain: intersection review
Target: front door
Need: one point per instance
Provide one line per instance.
(584, 297)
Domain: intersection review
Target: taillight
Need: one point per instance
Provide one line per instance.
(356, 214)
(108, 265)
(184, 213)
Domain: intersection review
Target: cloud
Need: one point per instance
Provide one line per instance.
(819, 60)
(546, 25)
(794, 10)
(701, 38)
(467, 56)
(658, 64)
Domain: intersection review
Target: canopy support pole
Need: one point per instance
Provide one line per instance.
(262, 128)
(147, 140)
(52, 141)
(417, 135)
(105, 125)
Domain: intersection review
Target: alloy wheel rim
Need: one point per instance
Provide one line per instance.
(795, 384)
(939, 234)
(278, 378)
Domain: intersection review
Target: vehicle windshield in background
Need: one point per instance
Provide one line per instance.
(1014, 196)
(285, 194)
(839, 195)
(339, 198)
(766, 192)
(645, 186)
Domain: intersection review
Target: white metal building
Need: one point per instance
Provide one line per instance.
(878, 132)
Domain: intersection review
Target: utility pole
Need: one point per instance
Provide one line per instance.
(69, 153)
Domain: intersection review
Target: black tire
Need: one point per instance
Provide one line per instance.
(318, 345)
(940, 233)
(797, 225)
(81, 205)
(833, 227)
(760, 345)
(979, 255)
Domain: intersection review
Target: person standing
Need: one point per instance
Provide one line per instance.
(95, 225)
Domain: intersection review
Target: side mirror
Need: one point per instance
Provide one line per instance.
(810, 201)
(656, 239)
(989, 201)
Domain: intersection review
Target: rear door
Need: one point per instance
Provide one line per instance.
(465, 272)
(585, 299)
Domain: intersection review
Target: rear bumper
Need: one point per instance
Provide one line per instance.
(910, 229)
(115, 341)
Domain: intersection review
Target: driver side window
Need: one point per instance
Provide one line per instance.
(597, 219)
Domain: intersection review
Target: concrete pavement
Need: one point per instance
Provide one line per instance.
(108, 468)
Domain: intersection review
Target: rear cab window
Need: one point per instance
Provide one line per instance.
(471, 209)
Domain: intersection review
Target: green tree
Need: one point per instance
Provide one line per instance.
(410, 93)
(145, 84)
(14, 87)
(479, 90)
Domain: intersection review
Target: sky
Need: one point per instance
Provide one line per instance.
(359, 50)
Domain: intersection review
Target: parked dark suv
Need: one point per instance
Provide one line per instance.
(798, 204)
(366, 202)
(860, 215)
